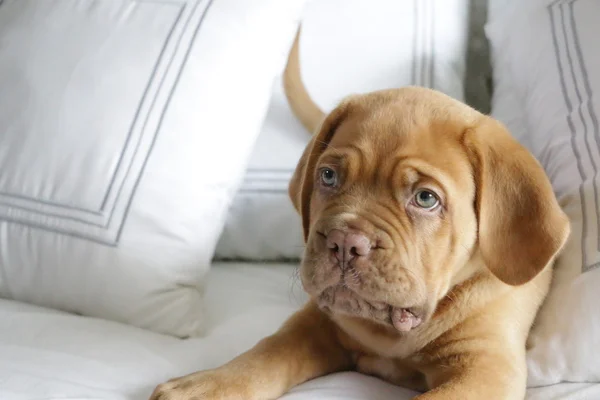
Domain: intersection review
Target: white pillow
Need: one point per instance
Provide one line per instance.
(126, 127)
(346, 46)
(506, 105)
(549, 53)
(262, 223)
(381, 44)
(500, 9)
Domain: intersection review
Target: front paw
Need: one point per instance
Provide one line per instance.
(205, 385)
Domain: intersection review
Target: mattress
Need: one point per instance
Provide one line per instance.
(46, 354)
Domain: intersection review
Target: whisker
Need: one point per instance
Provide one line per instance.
(295, 282)
(451, 296)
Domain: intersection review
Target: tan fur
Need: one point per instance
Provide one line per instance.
(477, 270)
(298, 98)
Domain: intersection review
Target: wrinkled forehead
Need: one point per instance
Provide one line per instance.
(390, 137)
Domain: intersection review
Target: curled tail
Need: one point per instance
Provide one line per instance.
(302, 105)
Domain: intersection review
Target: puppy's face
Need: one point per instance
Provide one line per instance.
(392, 218)
(391, 194)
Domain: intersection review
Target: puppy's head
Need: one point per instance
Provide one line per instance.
(400, 189)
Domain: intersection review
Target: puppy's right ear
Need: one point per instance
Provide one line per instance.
(302, 183)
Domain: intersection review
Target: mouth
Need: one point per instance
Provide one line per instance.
(341, 300)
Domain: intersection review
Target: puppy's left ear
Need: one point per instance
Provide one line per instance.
(301, 185)
(521, 225)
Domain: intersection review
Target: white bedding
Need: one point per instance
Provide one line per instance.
(46, 354)
(113, 116)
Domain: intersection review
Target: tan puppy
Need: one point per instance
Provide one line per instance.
(430, 235)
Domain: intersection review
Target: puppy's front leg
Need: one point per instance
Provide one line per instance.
(477, 376)
(305, 347)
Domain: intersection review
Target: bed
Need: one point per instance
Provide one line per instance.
(68, 348)
(52, 355)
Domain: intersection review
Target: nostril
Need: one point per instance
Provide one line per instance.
(333, 246)
(335, 239)
(335, 251)
(359, 245)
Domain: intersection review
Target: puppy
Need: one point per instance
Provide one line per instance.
(430, 235)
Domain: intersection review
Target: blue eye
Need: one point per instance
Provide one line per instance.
(328, 177)
(426, 199)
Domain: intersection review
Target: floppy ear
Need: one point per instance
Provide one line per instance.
(301, 185)
(521, 225)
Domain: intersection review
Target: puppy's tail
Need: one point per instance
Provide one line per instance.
(302, 105)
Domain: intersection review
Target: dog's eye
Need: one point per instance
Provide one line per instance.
(328, 177)
(426, 199)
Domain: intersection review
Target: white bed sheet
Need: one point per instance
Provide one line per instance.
(46, 354)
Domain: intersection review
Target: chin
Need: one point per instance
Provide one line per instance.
(362, 290)
(339, 300)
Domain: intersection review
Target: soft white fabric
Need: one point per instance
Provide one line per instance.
(548, 54)
(506, 105)
(46, 354)
(262, 223)
(498, 9)
(346, 47)
(354, 46)
(126, 127)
